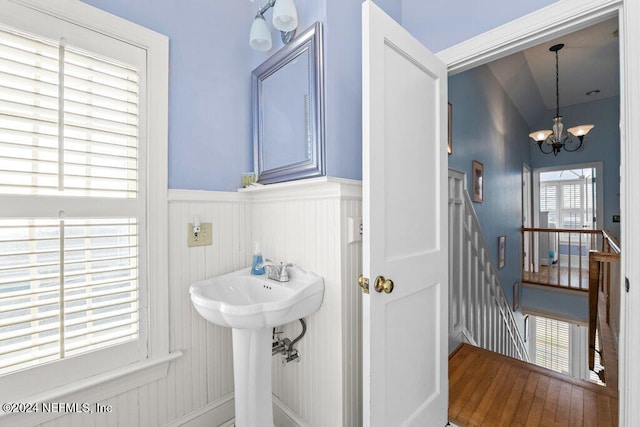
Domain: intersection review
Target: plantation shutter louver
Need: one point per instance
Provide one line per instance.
(549, 201)
(69, 129)
(552, 344)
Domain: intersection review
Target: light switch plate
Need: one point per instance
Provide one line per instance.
(354, 229)
(204, 237)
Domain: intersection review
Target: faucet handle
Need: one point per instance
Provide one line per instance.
(284, 273)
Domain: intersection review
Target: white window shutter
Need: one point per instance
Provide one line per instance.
(68, 128)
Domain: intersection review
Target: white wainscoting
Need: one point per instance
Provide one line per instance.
(199, 383)
(304, 222)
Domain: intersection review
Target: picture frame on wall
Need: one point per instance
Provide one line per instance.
(450, 130)
(516, 296)
(502, 246)
(477, 173)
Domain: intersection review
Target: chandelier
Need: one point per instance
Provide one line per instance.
(555, 139)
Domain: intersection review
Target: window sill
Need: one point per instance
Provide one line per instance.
(93, 389)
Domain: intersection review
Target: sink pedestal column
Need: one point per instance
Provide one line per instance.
(252, 377)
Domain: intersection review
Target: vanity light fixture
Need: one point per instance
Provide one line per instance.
(285, 20)
(556, 139)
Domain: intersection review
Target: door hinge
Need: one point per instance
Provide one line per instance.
(626, 284)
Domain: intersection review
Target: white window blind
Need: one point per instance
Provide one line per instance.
(568, 203)
(549, 201)
(552, 344)
(68, 121)
(68, 128)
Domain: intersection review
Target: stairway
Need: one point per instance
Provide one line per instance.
(479, 312)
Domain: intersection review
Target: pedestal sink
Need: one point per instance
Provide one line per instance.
(252, 306)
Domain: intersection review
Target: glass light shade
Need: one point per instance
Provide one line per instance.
(285, 15)
(260, 36)
(540, 135)
(557, 128)
(580, 130)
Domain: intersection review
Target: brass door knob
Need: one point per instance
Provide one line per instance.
(364, 283)
(383, 284)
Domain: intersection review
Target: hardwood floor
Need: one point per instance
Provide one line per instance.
(573, 278)
(488, 389)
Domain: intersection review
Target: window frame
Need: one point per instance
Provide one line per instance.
(153, 363)
(576, 341)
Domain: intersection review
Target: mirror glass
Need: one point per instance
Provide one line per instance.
(288, 118)
(285, 136)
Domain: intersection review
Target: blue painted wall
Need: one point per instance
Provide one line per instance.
(210, 67)
(601, 144)
(487, 127)
(570, 306)
(343, 88)
(441, 24)
(209, 86)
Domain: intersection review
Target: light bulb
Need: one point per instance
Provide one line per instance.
(540, 135)
(580, 130)
(285, 15)
(260, 36)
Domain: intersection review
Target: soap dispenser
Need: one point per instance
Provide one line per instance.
(256, 266)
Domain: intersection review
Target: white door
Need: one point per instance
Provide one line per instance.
(405, 227)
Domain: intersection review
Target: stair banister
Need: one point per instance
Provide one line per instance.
(479, 311)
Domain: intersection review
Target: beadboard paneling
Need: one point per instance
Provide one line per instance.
(204, 374)
(351, 319)
(306, 225)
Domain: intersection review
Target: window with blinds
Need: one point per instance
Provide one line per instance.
(68, 136)
(566, 204)
(552, 344)
(549, 201)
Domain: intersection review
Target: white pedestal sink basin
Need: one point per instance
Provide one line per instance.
(252, 306)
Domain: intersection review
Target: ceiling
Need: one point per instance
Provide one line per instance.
(588, 61)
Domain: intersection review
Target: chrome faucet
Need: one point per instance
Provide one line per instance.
(275, 271)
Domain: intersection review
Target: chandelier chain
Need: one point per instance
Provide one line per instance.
(557, 87)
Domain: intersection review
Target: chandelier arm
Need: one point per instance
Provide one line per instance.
(575, 149)
(555, 139)
(544, 152)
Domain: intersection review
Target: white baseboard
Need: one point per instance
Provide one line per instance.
(221, 413)
(285, 417)
(217, 413)
(463, 335)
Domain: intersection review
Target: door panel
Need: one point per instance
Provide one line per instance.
(405, 223)
(410, 97)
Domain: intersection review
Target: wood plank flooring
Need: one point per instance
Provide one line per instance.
(488, 389)
(573, 278)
